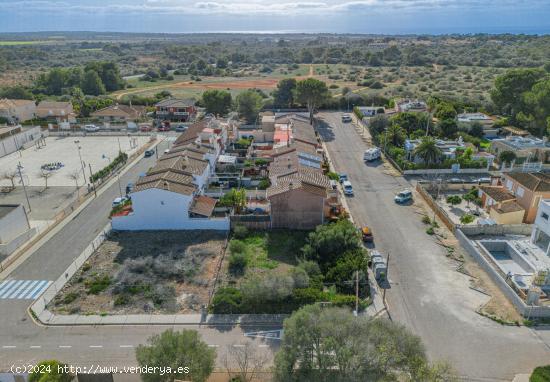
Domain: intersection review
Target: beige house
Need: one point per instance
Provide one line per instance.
(119, 113)
(17, 110)
(507, 213)
(60, 111)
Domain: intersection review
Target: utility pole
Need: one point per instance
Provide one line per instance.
(92, 179)
(387, 278)
(80, 157)
(357, 292)
(23, 183)
(119, 149)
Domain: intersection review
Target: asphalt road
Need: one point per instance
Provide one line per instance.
(426, 293)
(22, 341)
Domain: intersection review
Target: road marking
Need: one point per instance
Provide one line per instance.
(126, 346)
(96, 346)
(213, 346)
(35, 346)
(271, 334)
(238, 345)
(263, 346)
(65, 346)
(8, 347)
(23, 289)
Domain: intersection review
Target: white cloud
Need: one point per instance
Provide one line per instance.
(267, 7)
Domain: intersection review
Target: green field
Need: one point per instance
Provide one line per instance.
(15, 43)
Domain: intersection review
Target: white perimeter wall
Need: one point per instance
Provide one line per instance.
(13, 225)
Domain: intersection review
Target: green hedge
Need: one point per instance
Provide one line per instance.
(106, 171)
(541, 374)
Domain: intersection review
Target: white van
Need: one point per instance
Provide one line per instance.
(372, 154)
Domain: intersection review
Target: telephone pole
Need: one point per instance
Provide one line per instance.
(356, 293)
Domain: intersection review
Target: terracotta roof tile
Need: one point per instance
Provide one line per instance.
(202, 205)
(497, 193)
(534, 181)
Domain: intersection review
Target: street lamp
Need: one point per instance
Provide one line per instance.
(19, 167)
(79, 148)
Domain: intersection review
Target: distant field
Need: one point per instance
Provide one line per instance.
(461, 82)
(14, 43)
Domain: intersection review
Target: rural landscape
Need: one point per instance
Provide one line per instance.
(181, 201)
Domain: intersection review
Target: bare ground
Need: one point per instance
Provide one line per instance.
(145, 272)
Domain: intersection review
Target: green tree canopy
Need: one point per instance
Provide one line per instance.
(51, 371)
(331, 344)
(91, 84)
(329, 241)
(284, 94)
(249, 104)
(311, 93)
(235, 198)
(177, 350)
(448, 128)
(217, 102)
(428, 151)
(507, 156)
(507, 94)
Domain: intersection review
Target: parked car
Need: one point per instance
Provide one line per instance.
(145, 127)
(91, 128)
(343, 177)
(455, 180)
(372, 154)
(348, 189)
(403, 197)
(366, 232)
(149, 153)
(346, 118)
(129, 188)
(181, 128)
(119, 201)
(164, 126)
(482, 180)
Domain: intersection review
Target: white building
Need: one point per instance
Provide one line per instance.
(14, 228)
(541, 229)
(169, 196)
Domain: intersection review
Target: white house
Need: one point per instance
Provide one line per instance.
(541, 228)
(169, 196)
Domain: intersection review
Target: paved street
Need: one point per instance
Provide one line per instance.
(426, 294)
(22, 341)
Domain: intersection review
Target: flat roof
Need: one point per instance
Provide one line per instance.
(7, 208)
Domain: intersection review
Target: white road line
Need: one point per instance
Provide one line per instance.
(213, 346)
(96, 346)
(238, 346)
(16, 291)
(27, 289)
(126, 346)
(10, 288)
(263, 346)
(35, 346)
(8, 347)
(65, 346)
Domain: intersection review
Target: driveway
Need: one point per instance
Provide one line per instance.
(426, 293)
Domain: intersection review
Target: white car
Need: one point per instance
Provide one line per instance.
(371, 154)
(403, 197)
(91, 128)
(119, 201)
(348, 189)
(346, 118)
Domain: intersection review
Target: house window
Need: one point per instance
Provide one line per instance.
(544, 215)
(509, 185)
(519, 192)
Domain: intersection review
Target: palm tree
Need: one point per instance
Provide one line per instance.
(395, 135)
(428, 150)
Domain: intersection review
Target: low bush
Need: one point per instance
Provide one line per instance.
(454, 199)
(426, 220)
(70, 297)
(430, 231)
(467, 219)
(240, 232)
(237, 246)
(237, 263)
(98, 284)
(227, 301)
(540, 374)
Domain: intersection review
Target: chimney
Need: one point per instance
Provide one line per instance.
(165, 185)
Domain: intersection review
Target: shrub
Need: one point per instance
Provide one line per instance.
(540, 374)
(264, 184)
(454, 199)
(237, 263)
(426, 220)
(237, 246)
(98, 284)
(240, 232)
(467, 218)
(430, 231)
(122, 299)
(70, 297)
(227, 301)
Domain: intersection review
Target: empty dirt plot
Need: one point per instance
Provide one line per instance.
(161, 272)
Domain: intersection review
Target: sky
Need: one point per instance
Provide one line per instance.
(267, 16)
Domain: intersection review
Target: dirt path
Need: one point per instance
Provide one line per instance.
(311, 71)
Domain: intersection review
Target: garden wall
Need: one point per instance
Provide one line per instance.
(436, 208)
